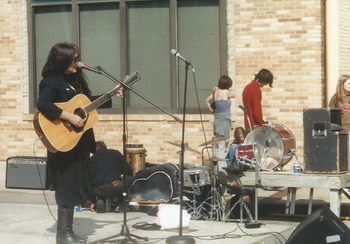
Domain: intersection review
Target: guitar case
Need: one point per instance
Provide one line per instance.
(155, 184)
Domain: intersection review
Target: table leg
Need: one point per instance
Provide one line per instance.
(293, 197)
(335, 201)
(287, 211)
(311, 194)
(290, 203)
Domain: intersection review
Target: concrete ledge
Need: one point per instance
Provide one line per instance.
(23, 196)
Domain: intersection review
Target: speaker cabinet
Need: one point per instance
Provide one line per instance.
(326, 148)
(27, 173)
(320, 227)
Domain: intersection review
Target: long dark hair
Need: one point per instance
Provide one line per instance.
(59, 59)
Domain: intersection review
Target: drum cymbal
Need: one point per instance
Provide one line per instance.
(188, 148)
(215, 140)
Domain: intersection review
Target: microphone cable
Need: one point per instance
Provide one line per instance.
(40, 177)
(200, 112)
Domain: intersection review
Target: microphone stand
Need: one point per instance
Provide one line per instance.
(180, 239)
(125, 229)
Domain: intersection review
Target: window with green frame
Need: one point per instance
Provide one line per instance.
(130, 35)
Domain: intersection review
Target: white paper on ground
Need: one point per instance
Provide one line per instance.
(168, 216)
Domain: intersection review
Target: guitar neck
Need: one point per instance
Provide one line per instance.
(130, 80)
(102, 99)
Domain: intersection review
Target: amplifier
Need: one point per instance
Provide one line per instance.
(27, 173)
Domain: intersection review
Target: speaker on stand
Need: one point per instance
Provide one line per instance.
(326, 147)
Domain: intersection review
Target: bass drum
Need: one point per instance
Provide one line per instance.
(275, 145)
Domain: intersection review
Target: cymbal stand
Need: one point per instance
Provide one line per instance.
(217, 210)
(257, 183)
(213, 201)
(256, 189)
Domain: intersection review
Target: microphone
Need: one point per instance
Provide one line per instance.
(81, 65)
(243, 108)
(177, 54)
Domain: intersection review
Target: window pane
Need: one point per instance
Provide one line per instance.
(199, 41)
(149, 51)
(52, 24)
(99, 39)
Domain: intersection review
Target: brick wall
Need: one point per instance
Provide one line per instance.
(286, 37)
(15, 133)
(344, 30)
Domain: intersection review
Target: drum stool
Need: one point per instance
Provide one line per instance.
(239, 193)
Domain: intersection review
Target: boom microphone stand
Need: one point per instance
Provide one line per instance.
(180, 239)
(125, 230)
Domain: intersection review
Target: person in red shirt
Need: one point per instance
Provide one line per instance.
(251, 97)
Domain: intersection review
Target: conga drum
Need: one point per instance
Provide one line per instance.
(136, 156)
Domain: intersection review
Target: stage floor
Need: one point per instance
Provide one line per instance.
(32, 223)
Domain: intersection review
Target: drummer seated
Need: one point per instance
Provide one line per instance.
(239, 136)
(107, 166)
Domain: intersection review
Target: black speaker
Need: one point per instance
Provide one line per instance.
(320, 227)
(326, 148)
(27, 173)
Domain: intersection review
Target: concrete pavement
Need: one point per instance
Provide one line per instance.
(28, 216)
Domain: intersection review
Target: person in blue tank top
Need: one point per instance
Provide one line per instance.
(221, 96)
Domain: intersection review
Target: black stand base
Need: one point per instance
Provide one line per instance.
(127, 237)
(180, 240)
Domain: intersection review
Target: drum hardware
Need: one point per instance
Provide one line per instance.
(243, 206)
(206, 198)
(256, 164)
(216, 206)
(187, 147)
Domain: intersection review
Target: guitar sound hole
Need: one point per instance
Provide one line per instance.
(81, 113)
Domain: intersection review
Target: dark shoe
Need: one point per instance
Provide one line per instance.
(65, 234)
(69, 238)
(100, 206)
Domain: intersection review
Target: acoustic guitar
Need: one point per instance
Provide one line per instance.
(60, 135)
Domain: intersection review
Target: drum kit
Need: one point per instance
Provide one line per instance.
(267, 147)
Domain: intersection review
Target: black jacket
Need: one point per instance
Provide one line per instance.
(68, 170)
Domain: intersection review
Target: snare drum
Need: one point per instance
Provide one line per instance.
(136, 156)
(198, 176)
(246, 151)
